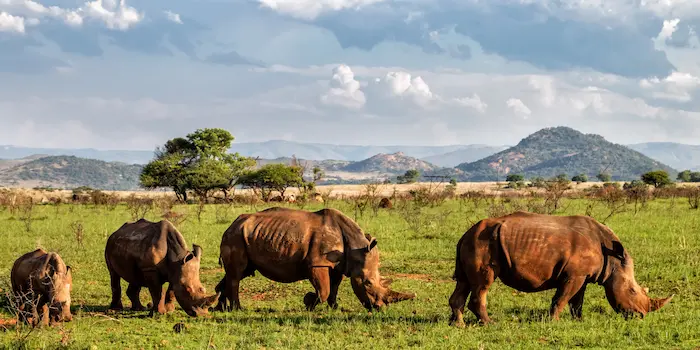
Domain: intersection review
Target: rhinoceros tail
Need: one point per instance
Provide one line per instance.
(459, 274)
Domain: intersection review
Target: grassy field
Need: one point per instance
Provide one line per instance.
(417, 247)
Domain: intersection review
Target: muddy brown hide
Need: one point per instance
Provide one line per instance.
(288, 245)
(149, 254)
(533, 252)
(41, 285)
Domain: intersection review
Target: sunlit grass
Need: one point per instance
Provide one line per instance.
(662, 239)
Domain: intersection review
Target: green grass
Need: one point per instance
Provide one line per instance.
(662, 239)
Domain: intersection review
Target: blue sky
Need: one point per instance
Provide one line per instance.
(116, 74)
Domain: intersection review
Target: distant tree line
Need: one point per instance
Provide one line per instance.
(200, 164)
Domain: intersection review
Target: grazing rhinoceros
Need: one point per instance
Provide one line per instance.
(288, 245)
(534, 252)
(42, 281)
(148, 254)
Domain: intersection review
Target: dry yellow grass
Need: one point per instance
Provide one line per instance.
(336, 191)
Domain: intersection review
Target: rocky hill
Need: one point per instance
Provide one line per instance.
(395, 163)
(557, 150)
(70, 172)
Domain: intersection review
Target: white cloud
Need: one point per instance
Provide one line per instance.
(344, 89)
(669, 27)
(113, 15)
(545, 85)
(675, 87)
(518, 107)
(173, 17)
(474, 102)
(401, 84)
(310, 9)
(10, 23)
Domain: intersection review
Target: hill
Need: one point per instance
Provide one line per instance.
(395, 163)
(70, 172)
(470, 153)
(129, 157)
(676, 155)
(557, 150)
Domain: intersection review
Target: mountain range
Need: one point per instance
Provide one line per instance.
(678, 156)
(546, 153)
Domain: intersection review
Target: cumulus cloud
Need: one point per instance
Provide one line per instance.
(112, 14)
(173, 17)
(676, 87)
(344, 90)
(474, 102)
(10, 23)
(310, 9)
(518, 107)
(402, 85)
(669, 27)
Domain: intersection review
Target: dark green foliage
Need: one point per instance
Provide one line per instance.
(553, 151)
(689, 176)
(684, 176)
(410, 176)
(199, 163)
(604, 177)
(272, 177)
(580, 178)
(514, 178)
(656, 178)
(71, 171)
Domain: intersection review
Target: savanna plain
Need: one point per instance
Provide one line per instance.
(416, 239)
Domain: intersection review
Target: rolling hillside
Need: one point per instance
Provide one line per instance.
(71, 171)
(395, 163)
(553, 151)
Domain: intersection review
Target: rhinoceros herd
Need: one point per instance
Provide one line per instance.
(528, 252)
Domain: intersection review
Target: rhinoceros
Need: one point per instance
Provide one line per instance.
(42, 281)
(148, 254)
(288, 245)
(535, 252)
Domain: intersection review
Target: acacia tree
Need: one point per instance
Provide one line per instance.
(272, 177)
(200, 163)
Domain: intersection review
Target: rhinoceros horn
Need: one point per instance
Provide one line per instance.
(655, 304)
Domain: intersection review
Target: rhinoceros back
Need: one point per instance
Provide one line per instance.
(538, 248)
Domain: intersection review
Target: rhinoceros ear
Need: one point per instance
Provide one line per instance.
(197, 250)
(617, 251)
(372, 244)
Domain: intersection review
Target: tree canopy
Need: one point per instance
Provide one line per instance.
(200, 163)
(656, 178)
(272, 177)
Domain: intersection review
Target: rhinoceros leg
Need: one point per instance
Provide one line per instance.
(168, 299)
(480, 288)
(457, 302)
(564, 293)
(336, 278)
(576, 303)
(114, 280)
(133, 291)
(320, 279)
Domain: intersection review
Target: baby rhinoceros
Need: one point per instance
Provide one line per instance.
(535, 252)
(41, 284)
(148, 254)
(288, 245)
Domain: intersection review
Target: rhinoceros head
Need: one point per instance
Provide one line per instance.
(623, 292)
(371, 289)
(58, 279)
(188, 289)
